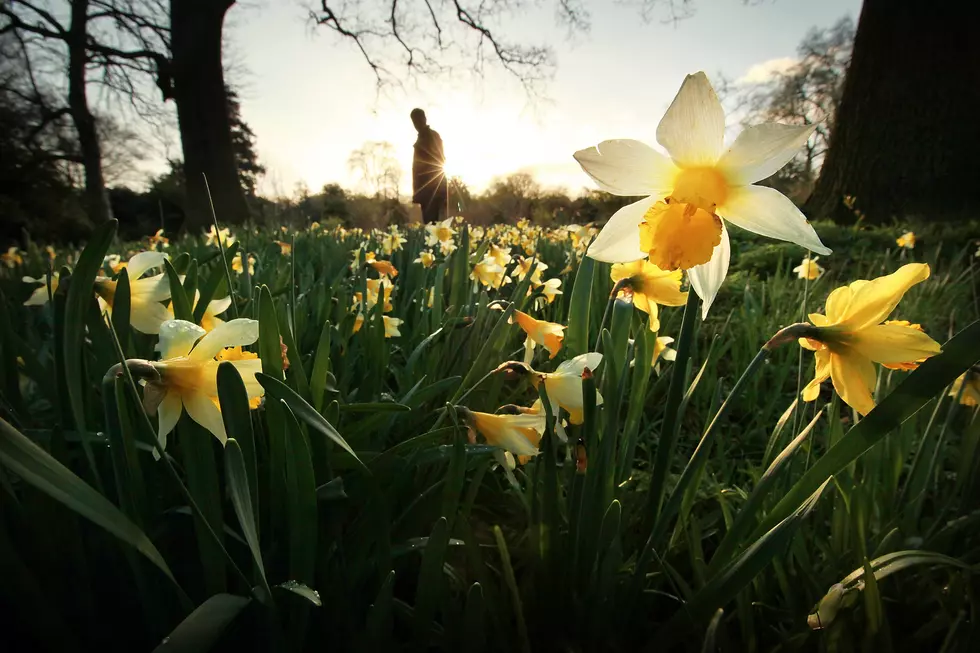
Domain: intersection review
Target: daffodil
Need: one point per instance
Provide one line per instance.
(515, 434)
(649, 286)
(219, 237)
(49, 250)
(489, 273)
(146, 313)
(284, 248)
(662, 350)
(524, 267)
(215, 308)
(678, 224)
(384, 268)
(426, 258)
(391, 326)
(551, 289)
(564, 385)
(539, 332)
(376, 289)
(12, 258)
(500, 255)
(969, 384)
(809, 269)
(188, 373)
(439, 233)
(392, 241)
(851, 336)
(159, 239)
(236, 264)
(40, 295)
(906, 240)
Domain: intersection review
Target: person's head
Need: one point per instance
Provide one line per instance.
(418, 119)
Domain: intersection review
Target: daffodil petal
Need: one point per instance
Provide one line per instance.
(248, 368)
(219, 306)
(767, 212)
(168, 412)
(821, 374)
(706, 279)
(147, 317)
(233, 333)
(151, 289)
(873, 301)
(836, 305)
(761, 150)
(575, 366)
(854, 378)
(893, 343)
(143, 262)
(177, 337)
(619, 239)
(203, 411)
(693, 129)
(628, 167)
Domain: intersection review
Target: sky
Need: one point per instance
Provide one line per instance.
(311, 99)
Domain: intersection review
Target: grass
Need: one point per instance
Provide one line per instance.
(699, 507)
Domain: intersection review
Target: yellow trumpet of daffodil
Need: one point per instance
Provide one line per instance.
(809, 269)
(851, 336)
(146, 313)
(539, 332)
(440, 233)
(650, 286)
(969, 383)
(678, 224)
(188, 373)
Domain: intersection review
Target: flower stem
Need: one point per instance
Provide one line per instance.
(609, 304)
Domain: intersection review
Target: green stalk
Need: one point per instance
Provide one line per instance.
(668, 429)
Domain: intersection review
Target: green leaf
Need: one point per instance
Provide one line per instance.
(80, 296)
(241, 500)
(178, 299)
(38, 468)
(280, 391)
(474, 620)
(197, 452)
(929, 380)
(202, 629)
(577, 334)
(431, 583)
(319, 380)
(375, 407)
(332, 490)
(236, 415)
(300, 502)
(121, 307)
(299, 589)
(380, 620)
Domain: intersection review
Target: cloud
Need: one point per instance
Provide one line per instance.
(766, 70)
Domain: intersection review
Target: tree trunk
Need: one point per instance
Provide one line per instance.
(906, 135)
(202, 111)
(96, 199)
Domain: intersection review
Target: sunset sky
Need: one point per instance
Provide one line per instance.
(311, 99)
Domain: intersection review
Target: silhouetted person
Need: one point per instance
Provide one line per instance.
(429, 187)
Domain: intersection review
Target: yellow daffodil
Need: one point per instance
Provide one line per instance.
(515, 434)
(188, 373)
(392, 242)
(40, 295)
(391, 326)
(426, 258)
(210, 318)
(12, 257)
(649, 286)
(375, 288)
(220, 237)
(678, 224)
(906, 240)
(236, 264)
(524, 266)
(146, 313)
(159, 239)
(49, 250)
(489, 273)
(539, 332)
(906, 366)
(809, 269)
(500, 255)
(284, 248)
(239, 354)
(969, 383)
(564, 385)
(662, 350)
(384, 268)
(851, 337)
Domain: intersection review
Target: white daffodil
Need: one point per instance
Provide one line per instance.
(41, 295)
(564, 385)
(189, 373)
(678, 224)
(146, 313)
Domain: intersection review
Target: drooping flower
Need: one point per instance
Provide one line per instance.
(809, 269)
(188, 373)
(662, 350)
(384, 268)
(551, 289)
(649, 286)
(539, 332)
(516, 434)
(906, 240)
(391, 326)
(905, 366)
(969, 383)
(564, 385)
(678, 224)
(851, 337)
(146, 313)
(40, 295)
(426, 258)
